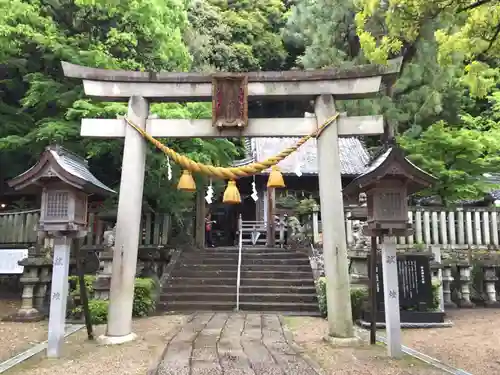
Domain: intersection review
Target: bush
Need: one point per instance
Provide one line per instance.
(143, 305)
(144, 297)
(358, 298)
(74, 283)
(98, 311)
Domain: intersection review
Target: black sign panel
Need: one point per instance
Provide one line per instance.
(414, 279)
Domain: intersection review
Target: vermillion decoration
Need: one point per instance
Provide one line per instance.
(232, 195)
(275, 178)
(186, 182)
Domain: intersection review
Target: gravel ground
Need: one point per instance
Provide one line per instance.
(364, 360)
(472, 344)
(21, 336)
(83, 357)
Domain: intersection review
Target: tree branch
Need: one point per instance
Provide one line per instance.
(474, 5)
(492, 40)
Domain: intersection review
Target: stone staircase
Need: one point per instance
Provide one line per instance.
(272, 280)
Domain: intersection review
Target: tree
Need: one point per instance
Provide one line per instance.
(38, 106)
(467, 29)
(326, 31)
(236, 35)
(460, 155)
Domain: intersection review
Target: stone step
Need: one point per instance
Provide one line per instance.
(245, 248)
(245, 267)
(244, 255)
(187, 272)
(190, 306)
(245, 260)
(231, 281)
(277, 307)
(259, 289)
(263, 298)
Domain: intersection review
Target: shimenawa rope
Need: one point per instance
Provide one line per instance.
(230, 173)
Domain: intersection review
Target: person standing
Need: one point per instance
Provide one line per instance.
(208, 231)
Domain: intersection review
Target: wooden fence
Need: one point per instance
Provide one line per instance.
(20, 228)
(475, 227)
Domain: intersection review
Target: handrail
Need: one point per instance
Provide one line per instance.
(240, 245)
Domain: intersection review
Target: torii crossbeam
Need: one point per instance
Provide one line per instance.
(322, 87)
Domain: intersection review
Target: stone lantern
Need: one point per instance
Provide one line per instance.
(387, 182)
(64, 181)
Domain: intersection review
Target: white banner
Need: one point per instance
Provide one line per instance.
(9, 259)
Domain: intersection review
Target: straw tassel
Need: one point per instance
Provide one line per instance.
(231, 194)
(186, 182)
(275, 178)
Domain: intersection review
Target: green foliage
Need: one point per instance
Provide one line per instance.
(75, 285)
(306, 206)
(464, 29)
(326, 31)
(38, 106)
(144, 302)
(435, 296)
(460, 155)
(144, 299)
(358, 299)
(288, 202)
(236, 35)
(98, 311)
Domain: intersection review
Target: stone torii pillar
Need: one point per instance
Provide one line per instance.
(332, 217)
(128, 225)
(319, 85)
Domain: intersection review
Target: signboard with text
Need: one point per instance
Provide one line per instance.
(9, 259)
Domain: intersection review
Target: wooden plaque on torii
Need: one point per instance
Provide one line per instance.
(230, 101)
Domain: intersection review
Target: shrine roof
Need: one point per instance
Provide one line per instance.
(353, 155)
(68, 166)
(379, 166)
(360, 71)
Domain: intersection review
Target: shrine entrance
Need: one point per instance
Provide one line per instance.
(313, 91)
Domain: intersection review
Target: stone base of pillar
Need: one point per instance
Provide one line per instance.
(116, 340)
(491, 304)
(450, 306)
(466, 304)
(343, 342)
(25, 315)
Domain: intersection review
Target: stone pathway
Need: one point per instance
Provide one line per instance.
(232, 344)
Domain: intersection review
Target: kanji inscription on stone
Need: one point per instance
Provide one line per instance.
(58, 261)
(392, 294)
(391, 259)
(56, 296)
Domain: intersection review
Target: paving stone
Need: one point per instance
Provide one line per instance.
(232, 344)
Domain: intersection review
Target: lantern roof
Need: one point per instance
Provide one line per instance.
(392, 163)
(58, 163)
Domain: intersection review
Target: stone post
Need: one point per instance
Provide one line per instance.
(490, 278)
(119, 329)
(465, 282)
(340, 321)
(282, 230)
(59, 296)
(447, 280)
(315, 224)
(391, 297)
(436, 251)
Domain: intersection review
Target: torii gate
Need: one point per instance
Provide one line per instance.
(139, 88)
